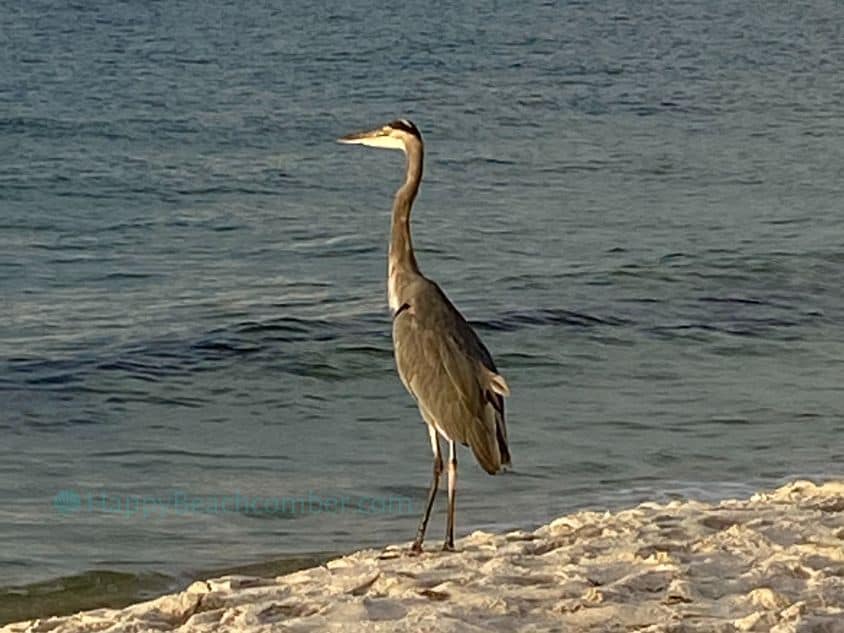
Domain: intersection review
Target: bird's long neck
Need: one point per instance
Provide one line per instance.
(401, 258)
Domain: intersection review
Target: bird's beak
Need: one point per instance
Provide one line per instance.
(380, 137)
(361, 138)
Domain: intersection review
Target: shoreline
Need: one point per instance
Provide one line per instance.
(773, 562)
(108, 588)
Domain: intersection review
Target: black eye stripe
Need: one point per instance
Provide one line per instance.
(406, 126)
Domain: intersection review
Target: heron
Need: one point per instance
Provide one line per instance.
(441, 361)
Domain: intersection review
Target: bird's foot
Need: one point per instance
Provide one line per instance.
(449, 547)
(415, 549)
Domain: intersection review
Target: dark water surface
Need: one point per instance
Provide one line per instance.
(637, 204)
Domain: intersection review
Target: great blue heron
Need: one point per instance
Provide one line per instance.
(440, 359)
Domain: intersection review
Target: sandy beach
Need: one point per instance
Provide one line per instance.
(774, 562)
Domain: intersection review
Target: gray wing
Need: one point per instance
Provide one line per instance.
(448, 370)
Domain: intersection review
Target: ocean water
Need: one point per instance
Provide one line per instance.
(638, 206)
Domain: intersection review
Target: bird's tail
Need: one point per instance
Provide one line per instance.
(489, 440)
(501, 437)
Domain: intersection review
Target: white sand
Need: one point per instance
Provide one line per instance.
(772, 563)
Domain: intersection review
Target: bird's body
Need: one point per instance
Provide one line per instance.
(440, 359)
(447, 369)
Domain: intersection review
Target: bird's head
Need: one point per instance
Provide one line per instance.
(399, 134)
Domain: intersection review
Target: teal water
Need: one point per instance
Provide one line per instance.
(638, 206)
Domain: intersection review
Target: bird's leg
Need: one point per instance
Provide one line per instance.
(448, 546)
(416, 548)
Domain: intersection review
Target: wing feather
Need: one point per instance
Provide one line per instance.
(447, 369)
